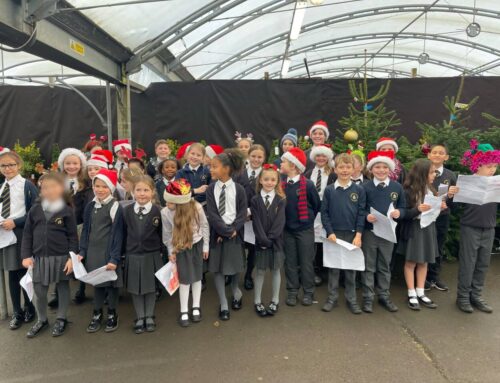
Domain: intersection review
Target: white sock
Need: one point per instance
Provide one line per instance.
(412, 293)
(184, 297)
(420, 292)
(196, 290)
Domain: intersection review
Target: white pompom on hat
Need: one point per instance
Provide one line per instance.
(71, 152)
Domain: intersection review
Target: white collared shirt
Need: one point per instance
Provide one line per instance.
(114, 208)
(440, 170)
(360, 178)
(147, 207)
(250, 170)
(271, 195)
(166, 182)
(376, 181)
(119, 163)
(324, 179)
(17, 202)
(230, 214)
(294, 179)
(195, 169)
(68, 185)
(337, 185)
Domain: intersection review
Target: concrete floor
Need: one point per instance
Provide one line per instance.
(300, 344)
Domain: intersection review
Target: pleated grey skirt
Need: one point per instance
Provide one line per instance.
(140, 272)
(268, 259)
(422, 246)
(227, 257)
(10, 260)
(190, 264)
(47, 270)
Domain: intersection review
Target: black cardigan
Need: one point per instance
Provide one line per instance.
(138, 241)
(268, 224)
(45, 238)
(218, 227)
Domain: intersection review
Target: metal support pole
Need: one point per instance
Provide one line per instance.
(3, 297)
(123, 110)
(109, 120)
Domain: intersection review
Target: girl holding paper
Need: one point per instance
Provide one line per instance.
(49, 235)
(142, 224)
(420, 244)
(186, 235)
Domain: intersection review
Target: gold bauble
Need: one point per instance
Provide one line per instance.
(350, 135)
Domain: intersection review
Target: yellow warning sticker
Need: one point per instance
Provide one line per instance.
(77, 47)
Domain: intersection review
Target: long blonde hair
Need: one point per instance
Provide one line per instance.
(186, 216)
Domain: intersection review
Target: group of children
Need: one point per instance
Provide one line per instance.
(129, 217)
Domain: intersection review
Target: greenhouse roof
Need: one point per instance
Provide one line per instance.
(251, 39)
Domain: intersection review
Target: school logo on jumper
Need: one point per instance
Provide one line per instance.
(156, 221)
(58, 221)
(354, 197)
(394, 196)
(446, 182)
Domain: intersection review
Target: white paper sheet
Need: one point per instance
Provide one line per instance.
(78, 268)
(98, 276)
(443, 190)
(26, 283)
(342, 255)
(427, 217)
(249, 235)
(169, 277)
(384, 227)
(319, 231)
(478, 190)
(7, 237)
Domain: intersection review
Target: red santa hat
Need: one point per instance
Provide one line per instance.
(387, 141)
(4, 150)
(297, 157)
(325, 150)
(375, 157)
(71, 152)
(178, 192)
(320, 125)
(109, 177)
(212, 150)
(102, 158)
(121, 145)
(183, 149)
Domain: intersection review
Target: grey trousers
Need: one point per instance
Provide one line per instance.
(299, 261)
(349, 275)
(474, 260)
(41, 301)
(378, 254)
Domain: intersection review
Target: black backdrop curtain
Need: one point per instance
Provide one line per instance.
(214, 110)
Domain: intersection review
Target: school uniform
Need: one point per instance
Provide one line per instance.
(226, 257)
(343, 214)
(477, 233)
(299, 236)
(101, 243)
(196, 177)
(419, 244)
(49, 236)
(80, 200)
(361, 180)
(142, 246)
(378, 251)
(160, 185)
(152, 168)
(189, 261)
(20, 196)
(446, 177)
(120, 166)
(399, 173)
(72, 185)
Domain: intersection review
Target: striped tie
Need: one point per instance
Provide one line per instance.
(6, 201)
(252, 176)
(222, 201)
(318, 181)
(267, 203)
(72, 187)
(141, 212)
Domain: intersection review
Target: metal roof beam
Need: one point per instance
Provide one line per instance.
(350, 70)
(367, 37)
(363, 13)
(352, 56)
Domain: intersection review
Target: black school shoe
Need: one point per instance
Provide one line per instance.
(367, 306)
(413, 303)
(37, 328)
(272, 309)
(236, 304)
(95, 322)
(481, 305)
(291, 300)
(388, 305)
(465, 307)
(354, 308)
(224, 315)
(439, 285)
(150, 324)
(427, 302)
(59, 327)
(260, 310)
(112, 321)
(196, 318)
(79, 297)
(16, 321)
(139, 326)
(29, 314)
(248, 285)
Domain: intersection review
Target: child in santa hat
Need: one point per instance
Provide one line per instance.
(210, 152)
(101, 245)
(385, 144)
(477, 233)
(318, 134)
(303, 204)
(123, 151)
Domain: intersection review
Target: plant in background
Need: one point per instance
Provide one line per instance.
(32, 159)
(173, 145)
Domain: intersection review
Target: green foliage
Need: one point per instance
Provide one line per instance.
(173, 145)
(302, 144)
(56, 150)
(31, 156)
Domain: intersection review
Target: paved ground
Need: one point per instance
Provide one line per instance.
(298, 345)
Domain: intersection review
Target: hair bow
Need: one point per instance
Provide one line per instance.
(269, 166)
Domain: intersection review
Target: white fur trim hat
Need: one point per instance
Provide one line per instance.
(387, 141)
(109, 177)
(326, 151)
(385, 157)
(322, 126)
(4, 150)
(71, 152)
(297, 157)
